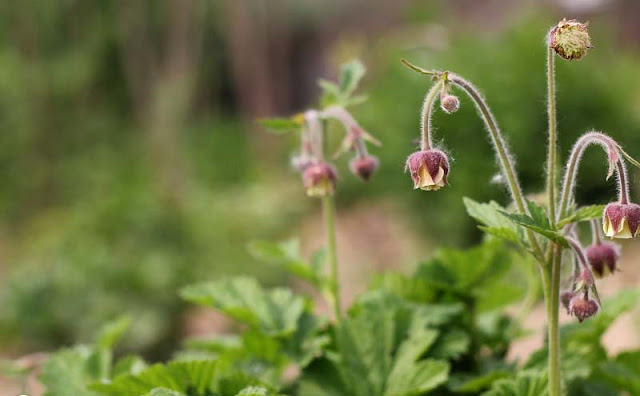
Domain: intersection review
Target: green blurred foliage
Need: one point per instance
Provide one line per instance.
(87, 233)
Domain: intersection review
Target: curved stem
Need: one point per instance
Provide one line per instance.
(553, 135)
(595, 232)
(506, 163)
(425, 115)
(615, 164)
(314, 128)
(328, 210)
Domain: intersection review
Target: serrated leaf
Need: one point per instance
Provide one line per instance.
(164, 392)
(282, 125)
(287, 255)
(177, 376)
(66, 373)
(451, 345)
(492, 218)
(538, 222)
(529, 383)
(585, 213)
(417, 379)
(350, 75)
(129, 365)
(275, 312)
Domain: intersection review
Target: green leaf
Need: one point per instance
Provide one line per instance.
(177, 376)
(350, 75)
(66, 373)
(129, 365)
(475, 383)
(113, 331)
(275, 312)
(585, 213)
(537, 221)
(418, 378)
(282, 125)
(451, 345)
(164, 392)
(528, 383)
(494, 221)
(287, 255)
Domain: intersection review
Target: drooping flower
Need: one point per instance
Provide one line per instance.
(621, 220)
(429, 169)
(570, 39)
(603, 258)
(319, 179)
(364, 167)
(565, 299)
(582, 307)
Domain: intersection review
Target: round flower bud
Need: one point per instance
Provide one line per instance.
(429, 169)
(565, 299)
(603, 259)
(621, 220)
(364, 167)
(582, 308)
(450, 104)
(570, 39)
(319, 179)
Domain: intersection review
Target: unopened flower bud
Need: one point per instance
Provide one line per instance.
(621, 220)
(450, 104)
(582, 308)
(585, 281)
(570, 39)
(319, 179)
(603, 259)
(429, 169)
(565, 299)
(364, 167)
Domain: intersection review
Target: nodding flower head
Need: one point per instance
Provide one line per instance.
(603, 258)
(621, 220)
(429, 169)
(319, 179)
(582, 307)
(364, 167)
(450, 104)
(565, 299)
(570, 39)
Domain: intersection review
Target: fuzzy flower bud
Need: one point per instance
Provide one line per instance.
(320, 179)
(603, 259)
(450, 104)
(429, 169)
(621, 220)
(582, 308)
(364, 167)
(565, 299)
(570, 39)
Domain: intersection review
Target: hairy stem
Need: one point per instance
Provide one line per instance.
(551, 284)
(328, 210)
(616, 164)
(553, 135)
(425, 115)
(596, 238)
(506, 163)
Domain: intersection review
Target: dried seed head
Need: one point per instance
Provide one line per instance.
(429, 169)
(621, 220)
(582, 308)
(320, 179)
(570, 39)
(450, 104)
(603, 258)
(364, 167)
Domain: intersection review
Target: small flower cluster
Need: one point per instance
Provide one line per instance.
(320, 176)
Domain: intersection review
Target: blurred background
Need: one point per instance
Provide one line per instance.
(131, 163)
